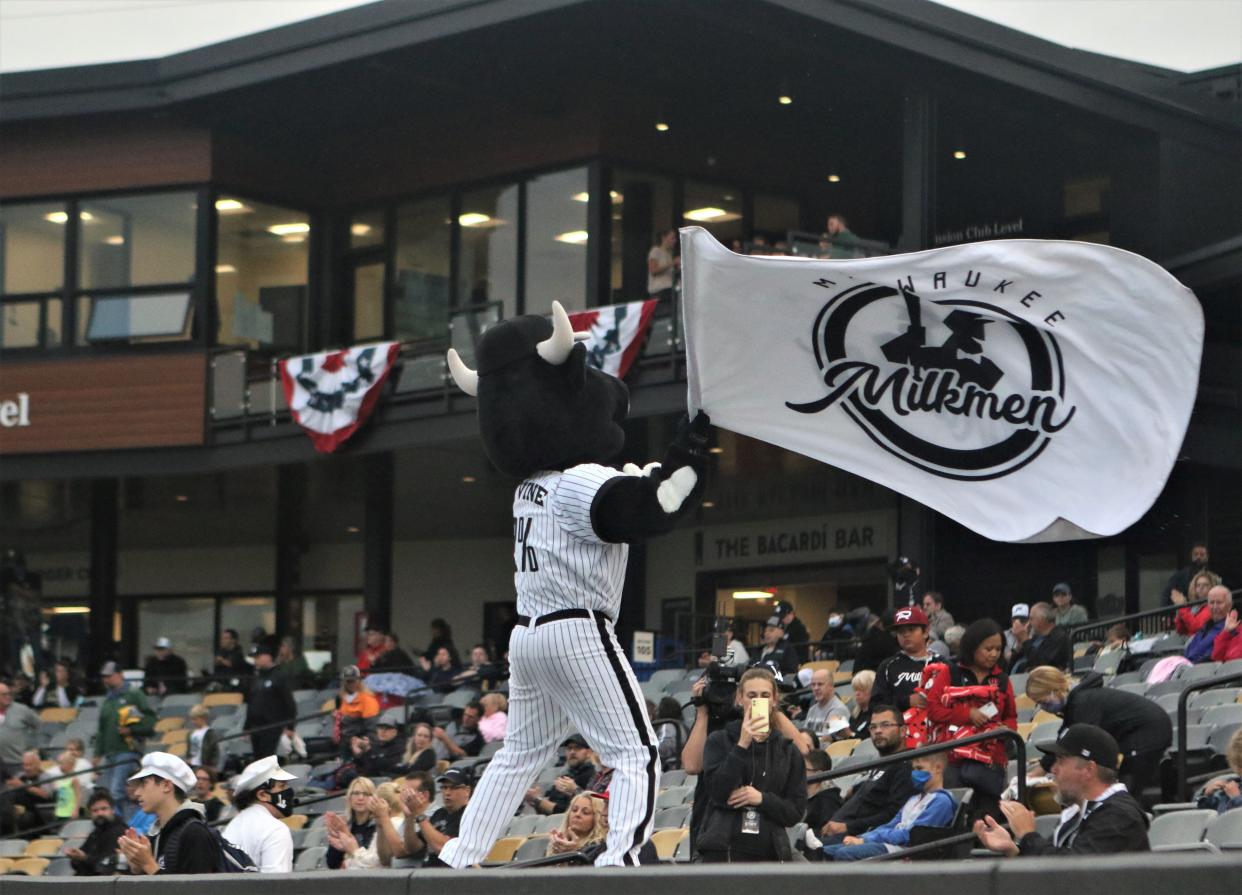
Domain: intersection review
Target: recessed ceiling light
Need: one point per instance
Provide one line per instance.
(785, 99)
(115, 240)
(182, 498)
(584, 196)
(86, 216)
(360, 229)
(289, 229)
(661, 126)
(353, 529)
(573, 237)
(225, 268)
(231, 206)
(708, 504)
(57, 217)
(834, 178)
(475, 219)
(751, 595)
(469, 479)
(959, 154)
(71, 610)
(294, 237)
(711, 214)
(715, 450)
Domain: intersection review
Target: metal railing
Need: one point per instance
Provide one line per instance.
(1151, 622)
(1183, 701)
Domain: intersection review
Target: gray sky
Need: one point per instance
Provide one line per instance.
(1182, 34)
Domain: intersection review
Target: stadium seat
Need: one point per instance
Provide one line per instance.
(523, 825)
(533, 847)
(1110, 662)
(12, 848)
(177, 735)
(30, 866)
(314, 838)
(1196, 673)
(1219, 736)
(59, 867)
(1219, 715)
(548, 823)
(1127, 677)
(674, 777)
(1044, 733)
(662, 677)
(666, 842)
(672, 818)
(490, 749)
(187, 700)
(301, 771)
(1232, 667)
(460, 698)
(1179, 830)
(504, 849)
(652, 690)
(865, 751)
(311, 859)
(842, 748)
(163, 725)
(179, 749)
(1164, 688)
(672, 797)
(1225, 832)
(1207, 698)
(830, 664)
(210, 699)
(75, 828)
(295, 821)
(42, 848)
(57, 715)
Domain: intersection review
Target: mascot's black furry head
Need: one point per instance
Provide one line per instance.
(540, 405)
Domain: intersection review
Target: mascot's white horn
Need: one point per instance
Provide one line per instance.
(555, 349)
(467, 379)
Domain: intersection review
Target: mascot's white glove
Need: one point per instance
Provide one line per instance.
(676, 488)
(633, 468)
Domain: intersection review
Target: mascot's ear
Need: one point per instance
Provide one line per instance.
(575, 367)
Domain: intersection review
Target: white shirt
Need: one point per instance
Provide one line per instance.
(818, 717)
(660, 281)
(559, 560)
(196, 746)
(268, 841)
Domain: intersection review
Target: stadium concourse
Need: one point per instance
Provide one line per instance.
(340, 734)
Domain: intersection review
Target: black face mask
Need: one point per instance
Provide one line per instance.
(101, 822)
(283, 801)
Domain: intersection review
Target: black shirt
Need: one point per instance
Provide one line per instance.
(447, 823)
(897, 677)
(169, 671)
(582, 776)
(876, 800)
(821, 807)
(796, 636)
(363, 832)
(1138, 724)
(1051, 649)
(100, 850)
(269, 701)
(1116, 824)
(876, 646)
(395, 659)
(186, 845)
(782, 655)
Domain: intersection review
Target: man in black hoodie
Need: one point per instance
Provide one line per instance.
(1108, 820)
(184, 843)
(97, 856)
(268, 704)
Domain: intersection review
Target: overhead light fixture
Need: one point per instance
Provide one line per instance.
(959, 154)
(290, 229)
(751, 595)
(352, 529)
(115, 240)
(707, 504)
(475, 219)
(785, 99)
(70, 610)
(231, 206)
(715, 450)
(294, 237)
(360, 229)
(182, 498)
(584, 196)
(62, 217)
(711, 215)
(573, 237)
(469, 479)
(86, 216)
(225, 268)
(834, 178)
(661, 126)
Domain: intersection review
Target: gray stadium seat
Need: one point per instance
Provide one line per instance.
(314, 837)
(1128, 677)
(1133, 687)
(523, 825)
(1219, 715)
(490, 749)
(460, 698)
(675, 777)
(1193, 716)
(672, 818)
(662, 677)
(864, 751)
(1208, 698)
(681, 855)
(1232, 667)
(549, 823)
(188, 700)
(1110, 662)
(534, 847)
(1219, 737)
(674, 796)
(301, 771)
(1179, 830)
(1225, 832)
(1165, 688)
(59, 867)
(311, 859)
(74, 828)
(1044, 733)
(795, 833)
(1200, 672)
(12, 848)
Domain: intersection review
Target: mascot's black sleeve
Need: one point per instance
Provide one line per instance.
(627, 508)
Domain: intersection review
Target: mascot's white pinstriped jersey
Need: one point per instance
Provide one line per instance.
(551, 421)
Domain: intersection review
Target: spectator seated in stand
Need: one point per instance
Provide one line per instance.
(828, 717)
(97, 855)
(579, 773)
(355, 707)
(1225, 793)
(1101, 817)
(203, 744)
(1205, 623)
(939, 619)
(56, 690)
(392, 657)
(347, 837)
(420, 752)
(1069, 613)
(1228, 644)
(415, 797)
(860, 715)
(585, 825)
(931, 806)
(204, 793)
(671, 731)
(441, 672)
(482, 672)
(456, 786)
(495, 718)
(67, 791)
(823, 798)
(165, 672)
(262, 796)
(30, 793)
(1048, 643)
(461, 739)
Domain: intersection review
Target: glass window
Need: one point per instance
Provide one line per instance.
(246, 615)
(188, 623)
(642, 206)
(421, 279)
(556, 240)
(775, 216)
(32, 247)
(261, 274)
(329, 624)
(718, 209)
(369, 301)
(367, 229)
(20, 328)
(139, 317)
(488, 268)
(137, 240)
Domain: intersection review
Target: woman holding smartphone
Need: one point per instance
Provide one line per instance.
(755, 780)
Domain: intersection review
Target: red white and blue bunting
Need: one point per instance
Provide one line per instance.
(331, 394)
(616, 334)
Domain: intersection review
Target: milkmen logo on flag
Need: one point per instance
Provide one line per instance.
(1029, 389)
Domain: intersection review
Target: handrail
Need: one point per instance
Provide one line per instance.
(1007, 733)
(1182, 704)
(1134, 616)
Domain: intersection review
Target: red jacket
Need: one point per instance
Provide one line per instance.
(1227, 645)
(943, 717)
(1188, 623)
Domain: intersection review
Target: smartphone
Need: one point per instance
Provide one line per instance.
(759, 710)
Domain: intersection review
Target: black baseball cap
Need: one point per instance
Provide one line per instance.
(455, 777)
(1086, 741)
(576, 739)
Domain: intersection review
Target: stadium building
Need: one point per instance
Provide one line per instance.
(173, 227)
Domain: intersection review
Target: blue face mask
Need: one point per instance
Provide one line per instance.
(920, 778)
(1055, 706)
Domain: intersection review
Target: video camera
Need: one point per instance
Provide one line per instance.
(905, 575)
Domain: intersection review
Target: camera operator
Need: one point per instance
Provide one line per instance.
(755, 779)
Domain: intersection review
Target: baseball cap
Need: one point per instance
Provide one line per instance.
(259, 772)
(455, 777)
(907, 616)
(1086, 741)
(775, 622)
(783, 607)
(263, 648)
(163, 643)
(390, 718)
(1062, 588)
(351, 673)
(576, 739)
(168, 766)
(1020, 610)
(109, 668)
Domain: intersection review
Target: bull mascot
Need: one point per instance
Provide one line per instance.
(551, 421)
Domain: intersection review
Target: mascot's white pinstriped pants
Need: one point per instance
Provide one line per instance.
(567, 675)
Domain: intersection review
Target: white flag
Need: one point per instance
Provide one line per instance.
(1031, 390)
